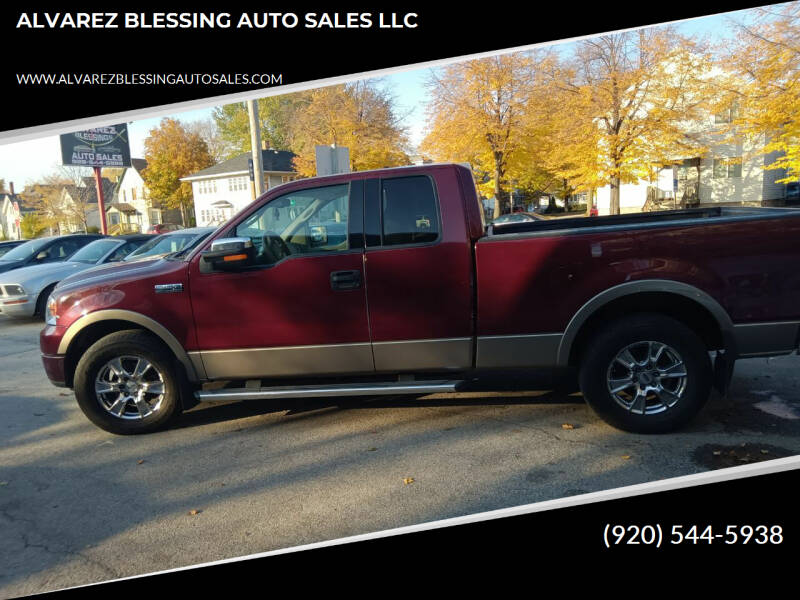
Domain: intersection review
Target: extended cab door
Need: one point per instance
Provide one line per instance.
(301, 308)
(418, 271)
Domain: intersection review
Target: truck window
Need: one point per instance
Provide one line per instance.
(409, 210)
(300, 222)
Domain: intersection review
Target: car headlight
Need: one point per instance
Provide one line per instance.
(14, 290)
(51, 311)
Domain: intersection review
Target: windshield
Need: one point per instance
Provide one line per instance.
(26, 250)
(93, 252)
(161, 245)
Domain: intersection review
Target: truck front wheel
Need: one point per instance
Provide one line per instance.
(127, 383)
(646, 374)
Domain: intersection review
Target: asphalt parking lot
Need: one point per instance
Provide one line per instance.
(79, 505)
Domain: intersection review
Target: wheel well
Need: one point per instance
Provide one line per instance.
(45, 292)
(680, 308)
(89, 335)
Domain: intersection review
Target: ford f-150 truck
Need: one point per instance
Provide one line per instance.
(420, 296)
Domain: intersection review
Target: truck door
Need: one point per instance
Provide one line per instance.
(418, 272)
(301, 309)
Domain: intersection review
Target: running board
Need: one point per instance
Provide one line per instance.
(323, 391)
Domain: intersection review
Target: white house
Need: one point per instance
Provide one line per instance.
(136, 210)
(10, 214)
(222, 190)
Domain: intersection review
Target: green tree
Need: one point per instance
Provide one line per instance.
(275, 116)
(32, 225)
(173, 152)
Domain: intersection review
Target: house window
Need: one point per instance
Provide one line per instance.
(133, 193)
(726, 168)
(236, 184)
(124, 198)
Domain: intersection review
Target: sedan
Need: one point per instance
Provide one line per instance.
(45, 250)
(24, 291)
(171, 242)
(6, 247)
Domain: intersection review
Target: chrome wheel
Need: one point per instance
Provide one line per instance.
(129, 387)
(647, 377)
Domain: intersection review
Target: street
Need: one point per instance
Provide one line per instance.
(80, 505)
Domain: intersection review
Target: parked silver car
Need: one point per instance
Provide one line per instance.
(24, 292)
(171, 242)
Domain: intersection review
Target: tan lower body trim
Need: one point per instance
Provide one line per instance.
(413, 355)
(500, 351)
(286, 360)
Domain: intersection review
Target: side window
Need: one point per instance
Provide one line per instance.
(409, 211)
(301, 222)
(63, 249)
(124, 250)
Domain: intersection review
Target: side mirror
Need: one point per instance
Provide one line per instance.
(319, 235)
(227, 254)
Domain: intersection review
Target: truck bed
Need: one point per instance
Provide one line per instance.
(691, 216)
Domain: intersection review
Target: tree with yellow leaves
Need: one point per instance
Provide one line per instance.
(360, 116)
(173, 152)
(477, 114)
(765, 61)
(633, 94)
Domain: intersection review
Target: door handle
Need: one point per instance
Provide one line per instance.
(345, 280)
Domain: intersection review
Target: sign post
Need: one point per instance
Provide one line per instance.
(332, 159)
(99, 147)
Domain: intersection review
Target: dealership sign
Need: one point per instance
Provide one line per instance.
(98, 147)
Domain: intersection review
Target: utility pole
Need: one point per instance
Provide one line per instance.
(255, 145)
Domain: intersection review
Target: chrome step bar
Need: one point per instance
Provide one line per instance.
(322, 391)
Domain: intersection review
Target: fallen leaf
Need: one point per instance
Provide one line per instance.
(408, 480)
(626, 456)
(3, 483)
(567, 426)
(139, 462)
(194, 511)
(765, 452)
(372, 450)
(63, 394)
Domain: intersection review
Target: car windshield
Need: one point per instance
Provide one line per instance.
(26, 250)
(93, 252)
(163, 244)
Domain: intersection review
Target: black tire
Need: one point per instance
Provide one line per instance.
(41, 301)
(127, 347)
(658, 399)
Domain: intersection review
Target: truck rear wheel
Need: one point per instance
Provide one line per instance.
(646, 374)
(127, 383)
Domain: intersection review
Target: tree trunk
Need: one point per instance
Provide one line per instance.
(183, 214)
(499, 198)
(590, 202)
(614, 201)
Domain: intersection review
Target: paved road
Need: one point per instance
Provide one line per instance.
(79, 505)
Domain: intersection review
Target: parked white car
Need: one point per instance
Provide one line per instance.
(24, 292)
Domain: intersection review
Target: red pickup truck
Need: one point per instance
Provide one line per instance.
(388, 282)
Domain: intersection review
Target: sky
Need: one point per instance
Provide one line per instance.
(26, 162)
